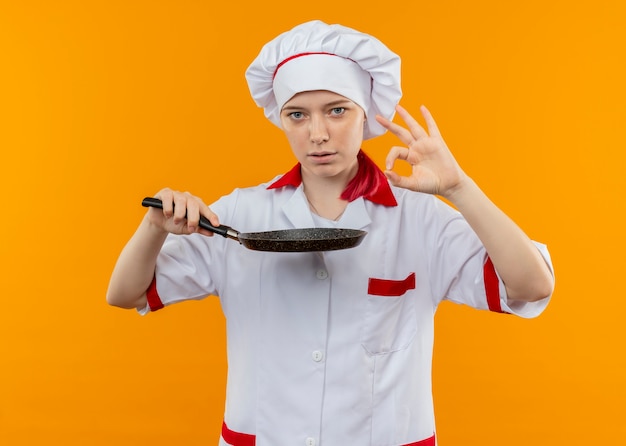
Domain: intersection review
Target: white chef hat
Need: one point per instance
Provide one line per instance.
(318, 56)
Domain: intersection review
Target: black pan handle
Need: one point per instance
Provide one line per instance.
(223, 230)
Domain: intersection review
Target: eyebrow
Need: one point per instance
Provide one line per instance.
(329, 104)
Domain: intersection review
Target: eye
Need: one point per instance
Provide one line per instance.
(296, 115)
(338, 111)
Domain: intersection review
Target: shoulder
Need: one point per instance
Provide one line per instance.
(251, 198)
(420, 210)
(249, 191)
(408, 199)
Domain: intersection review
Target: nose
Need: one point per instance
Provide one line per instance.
(317, 130)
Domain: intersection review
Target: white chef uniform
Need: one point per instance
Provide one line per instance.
(333, 348)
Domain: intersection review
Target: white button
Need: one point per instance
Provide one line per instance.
(317, 356)
(322, 274)
(310, 441)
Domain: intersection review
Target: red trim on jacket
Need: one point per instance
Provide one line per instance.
(386, 287)
(426, 442)
(235, 438)
(369, 182)
(154, 301)
(238, 439)
(492, 286)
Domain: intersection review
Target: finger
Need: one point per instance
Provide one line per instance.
(416, 130)
(180, 207)
(210, 215)
(403, 134)
(392, 176)
(192, 214)
(395, 153)
(196, 209)
(167, 199)
(399, 181)
(433, 130)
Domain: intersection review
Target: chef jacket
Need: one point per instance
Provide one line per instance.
(333, 348)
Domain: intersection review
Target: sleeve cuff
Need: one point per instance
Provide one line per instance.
(154, 301)
(519, 308)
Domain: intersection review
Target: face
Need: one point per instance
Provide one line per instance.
(325, 131)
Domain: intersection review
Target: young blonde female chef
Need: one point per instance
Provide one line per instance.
(334, 348)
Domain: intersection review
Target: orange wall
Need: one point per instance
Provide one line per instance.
(105, 102)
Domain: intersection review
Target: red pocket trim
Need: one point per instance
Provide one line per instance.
(430, 441)
(236, 438)
(154, 301)
(384, 287)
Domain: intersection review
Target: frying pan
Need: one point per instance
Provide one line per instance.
(286, 240)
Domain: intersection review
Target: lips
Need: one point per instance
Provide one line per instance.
(322, 156)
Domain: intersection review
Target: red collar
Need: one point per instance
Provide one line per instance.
(370, 183)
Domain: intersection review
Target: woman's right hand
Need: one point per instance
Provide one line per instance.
(181, 213)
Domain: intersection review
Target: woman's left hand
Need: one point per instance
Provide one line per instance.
(434, 169)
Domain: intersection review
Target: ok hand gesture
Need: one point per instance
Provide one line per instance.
(434, 169)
